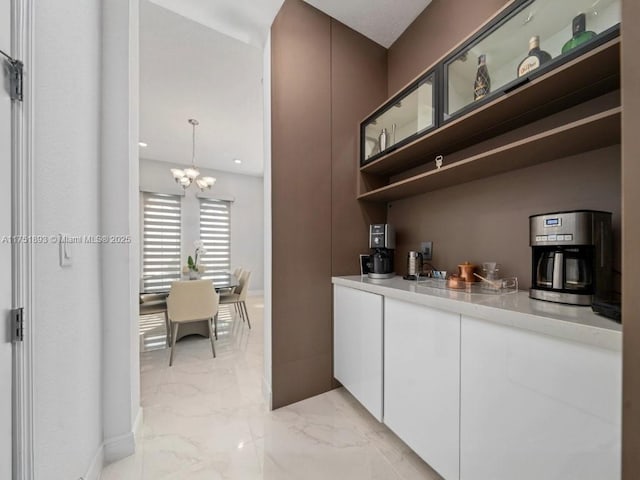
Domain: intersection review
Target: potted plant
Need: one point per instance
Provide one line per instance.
(193, 268)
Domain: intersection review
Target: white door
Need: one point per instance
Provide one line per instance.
(5, 250)
(422, 382)
(357, 345)
(537, 407)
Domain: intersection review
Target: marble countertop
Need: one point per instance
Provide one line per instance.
(517, 310)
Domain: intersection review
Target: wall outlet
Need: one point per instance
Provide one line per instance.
(427, 250)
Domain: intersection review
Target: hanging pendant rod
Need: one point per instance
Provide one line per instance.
(194, 123)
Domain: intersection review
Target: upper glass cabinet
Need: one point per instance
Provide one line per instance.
(530, 38)
(399, 121)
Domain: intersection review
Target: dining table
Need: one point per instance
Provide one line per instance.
(154, 301)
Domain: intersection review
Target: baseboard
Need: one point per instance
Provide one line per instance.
(94, 472)
(117, 448)
(255, 293)
(137, 424)
(266, 393)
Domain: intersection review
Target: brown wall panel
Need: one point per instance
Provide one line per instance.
(488, 220)
(358, 85)
(325, 79)
(631, 240)
(441, 26)
(301, 203)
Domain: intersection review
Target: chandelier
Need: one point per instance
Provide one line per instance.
(188, 176)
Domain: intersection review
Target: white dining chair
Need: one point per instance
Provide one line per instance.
(238, 298)
(236, 273)
(191, 301)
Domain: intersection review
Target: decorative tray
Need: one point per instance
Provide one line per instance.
(500, 286)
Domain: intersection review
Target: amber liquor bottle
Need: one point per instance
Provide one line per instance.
(535, 58)
(482, 85)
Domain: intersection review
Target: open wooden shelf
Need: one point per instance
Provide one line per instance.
(588, 76)
(594, 131)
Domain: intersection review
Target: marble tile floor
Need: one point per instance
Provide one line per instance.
(206, 418)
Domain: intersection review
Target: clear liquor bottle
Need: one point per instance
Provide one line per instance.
(580, 33)
(482, 85)
(534, 59)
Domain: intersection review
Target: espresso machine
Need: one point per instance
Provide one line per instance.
(382, 242)
(571, 256)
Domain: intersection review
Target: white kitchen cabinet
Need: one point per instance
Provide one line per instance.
(422, 382)
(357, 345)
(537, 407)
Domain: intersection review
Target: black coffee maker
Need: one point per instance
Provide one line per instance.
(571, 256)
(382, 241)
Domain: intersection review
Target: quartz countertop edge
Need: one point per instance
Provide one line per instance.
(577, 324)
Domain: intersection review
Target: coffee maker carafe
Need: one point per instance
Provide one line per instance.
(571, 256)
(382, 241)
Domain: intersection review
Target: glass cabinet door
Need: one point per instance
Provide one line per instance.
(400, 121)
(532, 36)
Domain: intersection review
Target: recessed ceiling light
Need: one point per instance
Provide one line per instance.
(237, 160)
(142, 144)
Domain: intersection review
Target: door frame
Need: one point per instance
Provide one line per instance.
(22, 252)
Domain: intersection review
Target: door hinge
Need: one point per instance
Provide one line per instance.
(15, 80)
(17, 324)
(15, 69)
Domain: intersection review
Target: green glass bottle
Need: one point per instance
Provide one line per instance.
(580, 33)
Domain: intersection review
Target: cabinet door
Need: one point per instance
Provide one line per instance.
(357, 345)
(422, 382)
(537, 407)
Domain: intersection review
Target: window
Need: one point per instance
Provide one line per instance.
(161, 263)
(215, 233)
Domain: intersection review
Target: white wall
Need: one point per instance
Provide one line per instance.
(67, 305)
(266, 82)
(247, 213)
(119, 216)
(86, 374)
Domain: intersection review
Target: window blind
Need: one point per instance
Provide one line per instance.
(215, 233)
(161, 262)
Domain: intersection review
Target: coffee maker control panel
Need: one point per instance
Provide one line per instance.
(555, 238)
(566, 228)
(382, 235)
